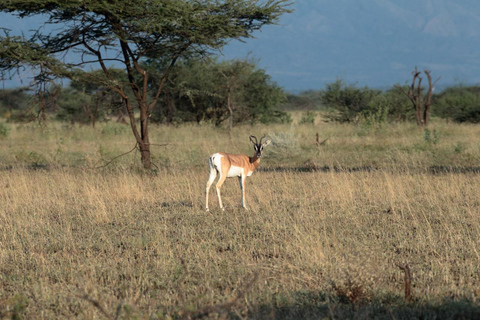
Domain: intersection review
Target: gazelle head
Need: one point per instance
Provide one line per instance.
(258, 146)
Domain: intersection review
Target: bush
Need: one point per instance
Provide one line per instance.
(306, 100)
(374, 121)
(276, 116)
(348, 101)
(308, 118)
(201, 90)
(431, 137)
(461, 104)
(395, 106)
(4, 130)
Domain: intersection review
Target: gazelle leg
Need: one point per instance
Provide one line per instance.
(219, 185)
(242, 180)
(213, 175)
(241, 187)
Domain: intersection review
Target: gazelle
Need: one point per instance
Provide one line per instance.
(234, 165)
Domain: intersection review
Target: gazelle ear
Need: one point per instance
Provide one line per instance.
(266, 143)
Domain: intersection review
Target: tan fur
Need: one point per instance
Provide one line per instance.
(232, 165)
(249, 164)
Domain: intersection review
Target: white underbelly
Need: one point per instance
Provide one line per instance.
(235, 172)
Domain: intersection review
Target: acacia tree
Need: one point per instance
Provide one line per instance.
(87, 102)
(421, 103)
(125, 32)
(234, 75)
(212, 90)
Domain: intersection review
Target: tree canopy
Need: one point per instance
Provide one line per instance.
(125, 33)
(216, 91)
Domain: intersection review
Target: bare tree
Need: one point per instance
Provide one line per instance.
(421, 102)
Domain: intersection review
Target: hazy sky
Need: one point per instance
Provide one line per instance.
(369, 42)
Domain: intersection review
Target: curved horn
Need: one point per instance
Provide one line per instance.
(253, 137)
(262, 138)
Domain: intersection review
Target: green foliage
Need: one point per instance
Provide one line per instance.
(459, 148)
(262, 97)
(308, 117)
(71, 105)
(347, 103)
(276, 116)
(204, 90)
(162, 29)
(306, 100)
(33, 159)
(431, 137)
(4, 129)
(18, 52)
(347, 100)
(461, 104)
(129, 33)
(395, 105)
(19, 304)
(376, 120)
(13, 100)
(89, 99)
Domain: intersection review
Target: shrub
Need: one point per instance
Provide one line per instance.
(4, 130)
(374, 121)
(276, 116)
(431, 137)
(308, 118)
(348, 100)
(461, 104)
(395, 106)
(459, 148)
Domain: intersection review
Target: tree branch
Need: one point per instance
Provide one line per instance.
(165, 75)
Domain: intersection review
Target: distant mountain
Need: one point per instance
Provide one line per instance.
(369, 42)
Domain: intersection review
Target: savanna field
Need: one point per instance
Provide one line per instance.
(90, 235)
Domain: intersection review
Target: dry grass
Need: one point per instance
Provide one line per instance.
(121, 243)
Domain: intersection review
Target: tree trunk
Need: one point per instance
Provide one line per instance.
(428, 98)
(426, 115)
(230, 110)
(145, 153)
(145, 143)
(141, 137)
(418, 113)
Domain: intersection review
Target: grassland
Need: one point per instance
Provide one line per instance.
(327, 229)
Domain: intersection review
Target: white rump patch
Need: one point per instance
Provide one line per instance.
(216, 160)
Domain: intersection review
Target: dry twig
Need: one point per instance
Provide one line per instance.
(408, 281)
